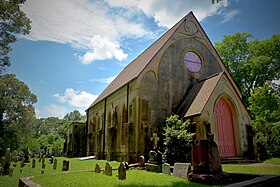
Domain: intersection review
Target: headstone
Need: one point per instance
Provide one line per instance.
(97, 168)
(43, 159)
(65, 165)
(33, 163)
(55, 163)
(141, 161)
(108, 169)
(42, 171)
(122, 171)
(181, 170)
(165, 168)
(43, 165)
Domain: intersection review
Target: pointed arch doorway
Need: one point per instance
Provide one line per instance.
(225, 128)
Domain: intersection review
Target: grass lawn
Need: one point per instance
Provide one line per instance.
(134, 177)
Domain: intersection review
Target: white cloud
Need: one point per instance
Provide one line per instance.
(80, 99)
(103, 48)
(78, 23)
(167, 13)
(228, 16)
(106, 80)
(56, 110)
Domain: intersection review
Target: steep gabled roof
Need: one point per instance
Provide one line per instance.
(133, 70)
(204, 94)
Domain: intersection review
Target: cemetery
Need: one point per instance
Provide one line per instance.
(86, 173)
(174, 116)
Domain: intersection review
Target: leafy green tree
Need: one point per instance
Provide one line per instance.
(251, 63)
(17, 114)
(75, 116)
(12, 21)
(265, 109)
(177, 141)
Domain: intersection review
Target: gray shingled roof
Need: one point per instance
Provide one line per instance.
(133, 70)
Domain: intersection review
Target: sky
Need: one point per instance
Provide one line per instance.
(76, 48)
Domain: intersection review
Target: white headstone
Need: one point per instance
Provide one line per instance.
(181, 170)
(165, 168)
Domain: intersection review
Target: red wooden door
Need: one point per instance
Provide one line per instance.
(224, 124)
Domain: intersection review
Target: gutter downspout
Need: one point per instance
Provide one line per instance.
(104, 124)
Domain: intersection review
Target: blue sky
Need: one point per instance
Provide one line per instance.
(76, 48)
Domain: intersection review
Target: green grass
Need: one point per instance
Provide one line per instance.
(273, 161)
(269, 167)
(134, 177)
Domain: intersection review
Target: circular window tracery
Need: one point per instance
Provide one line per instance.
(192, 61)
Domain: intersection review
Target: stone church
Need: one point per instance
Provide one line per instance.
(180, 73)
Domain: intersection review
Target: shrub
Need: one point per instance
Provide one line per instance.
(177, 140)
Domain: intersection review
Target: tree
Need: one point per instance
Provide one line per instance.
(265, 109)
(251, 63)
(17, 113)
(177, 141)
(75, 116)
(12, 21)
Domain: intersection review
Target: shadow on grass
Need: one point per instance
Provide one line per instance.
(175, 184)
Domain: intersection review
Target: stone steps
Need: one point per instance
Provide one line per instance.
(237, 160)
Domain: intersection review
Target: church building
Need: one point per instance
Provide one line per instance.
(180, 73)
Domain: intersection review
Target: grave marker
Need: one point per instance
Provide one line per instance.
(181, 170)
(165, 169)
(65, 165)
(97, 168)
(33, 163)
(108, 169)
(55, 163)
(142, 161)
(122, 172)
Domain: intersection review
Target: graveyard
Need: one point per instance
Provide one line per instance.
(84, 173)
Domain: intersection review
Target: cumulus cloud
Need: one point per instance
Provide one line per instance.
(106, 80)
(56, 110)
(80, 23)
(166, 13)
(80, 99)
(103, 48)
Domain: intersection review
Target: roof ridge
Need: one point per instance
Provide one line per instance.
(140, 62)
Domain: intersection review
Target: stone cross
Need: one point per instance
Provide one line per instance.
(154, 139)
(122, 171)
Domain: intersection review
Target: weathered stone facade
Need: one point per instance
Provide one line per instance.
(157, 84)
(76, 140)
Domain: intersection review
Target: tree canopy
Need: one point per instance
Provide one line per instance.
(251, 63)
(17, 113)
(13, 21)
